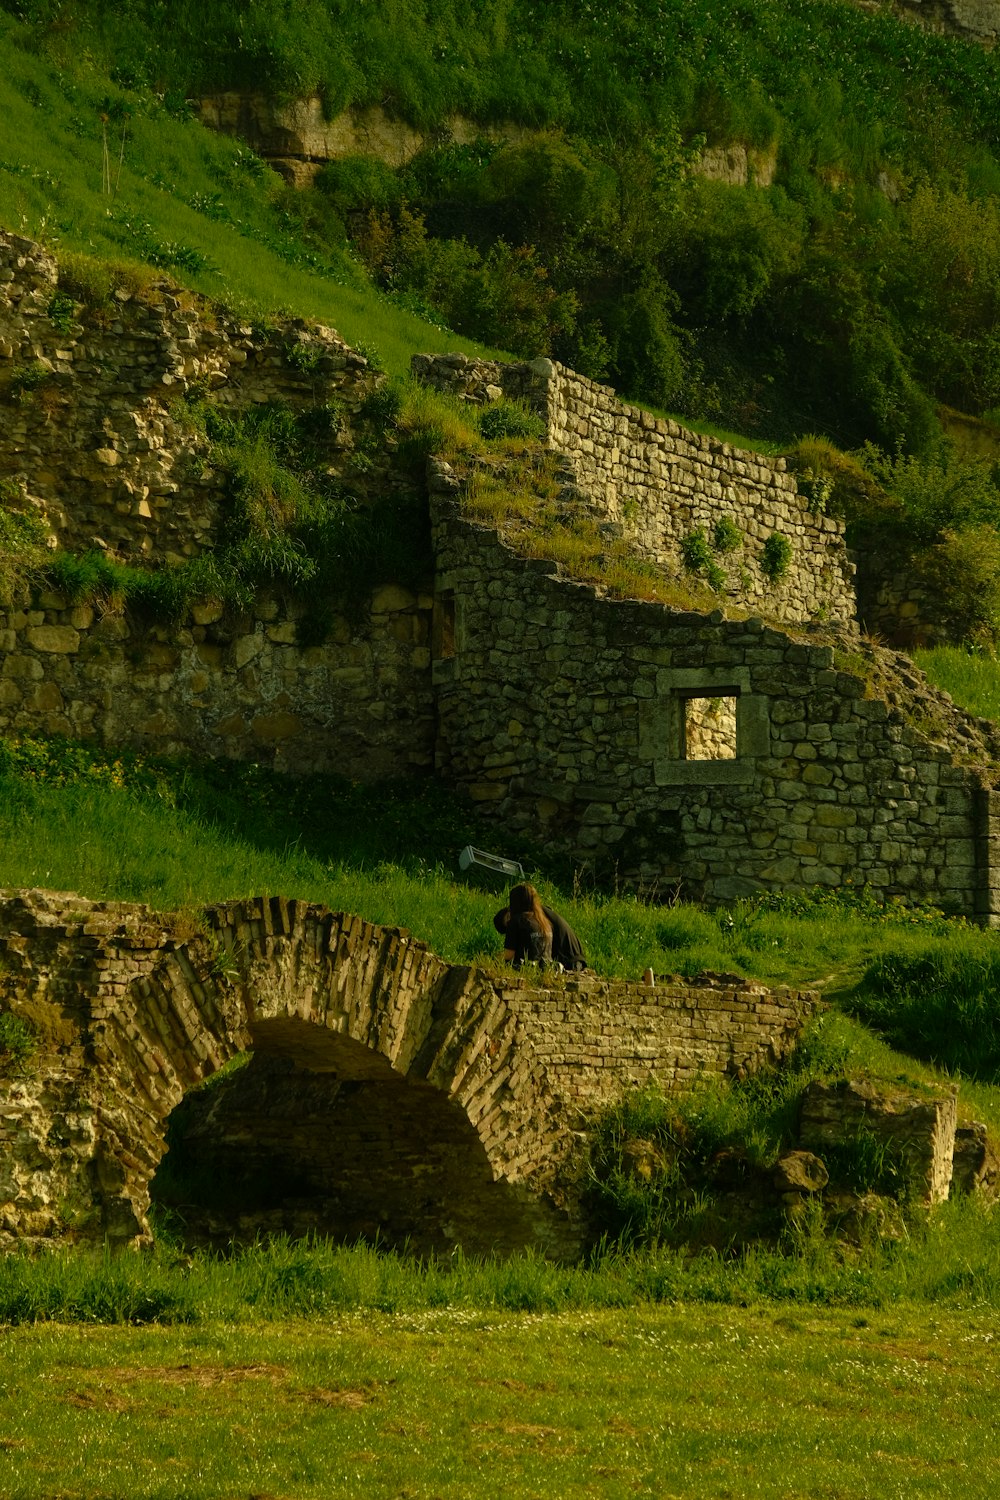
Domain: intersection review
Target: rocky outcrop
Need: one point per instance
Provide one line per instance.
(975, 20)
(296, 136)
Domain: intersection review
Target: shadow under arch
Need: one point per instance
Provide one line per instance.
(317, 1134)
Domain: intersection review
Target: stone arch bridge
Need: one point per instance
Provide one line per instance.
(388, 1092)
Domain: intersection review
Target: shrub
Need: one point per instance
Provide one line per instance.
(776, 556)
(835, 482)
(20, 530)
(61, 312)
(936, 491)
(963, 573)
(94, 280)
(359, 184)
(27, 379)
(510, 419)
(696, 554)
(383, 405)
(304, 357)
(659, 1162)
(726, 535)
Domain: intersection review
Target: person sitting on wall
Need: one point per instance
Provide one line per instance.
(529, 931)
(567, 950)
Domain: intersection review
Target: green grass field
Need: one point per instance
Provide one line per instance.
(668, 1401)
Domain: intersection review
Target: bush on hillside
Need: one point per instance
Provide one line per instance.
(941, 1004)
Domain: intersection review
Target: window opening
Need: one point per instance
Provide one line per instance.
(710, 727)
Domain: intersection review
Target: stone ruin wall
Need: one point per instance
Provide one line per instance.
(653, 482)
(563, 713)
(359, 704)
(101, 449)
(918, 1133)
(902, 605)
(132, 1009)
(595, 745)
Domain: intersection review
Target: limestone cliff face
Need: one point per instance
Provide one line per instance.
(296, 136)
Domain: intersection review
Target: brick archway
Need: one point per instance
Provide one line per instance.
(132, 1009)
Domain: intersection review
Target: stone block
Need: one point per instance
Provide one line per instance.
(207, 611)
(232, 726)
(800, 1172)
(976, 1162)
(246, 648)
(267, 728)
(54, 639)
(27, 668)
(832, 816)
(916, 1132)
(390, 599)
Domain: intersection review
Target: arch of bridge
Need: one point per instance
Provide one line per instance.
(138, 1007)
(333, 994)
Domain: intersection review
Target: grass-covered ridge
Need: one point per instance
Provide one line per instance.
(206, 211)
(846, 290)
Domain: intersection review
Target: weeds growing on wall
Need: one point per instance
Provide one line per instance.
(22, 540)
(18, 1044)
(776, 556)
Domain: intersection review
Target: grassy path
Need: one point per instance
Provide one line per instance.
(675, 1401)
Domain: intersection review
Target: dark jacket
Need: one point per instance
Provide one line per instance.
(566, 946)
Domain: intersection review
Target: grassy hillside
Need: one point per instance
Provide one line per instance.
(129, 178)
(847, 290)
(127, 827)
(851, 287)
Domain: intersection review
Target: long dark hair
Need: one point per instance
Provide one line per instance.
(524, 898)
